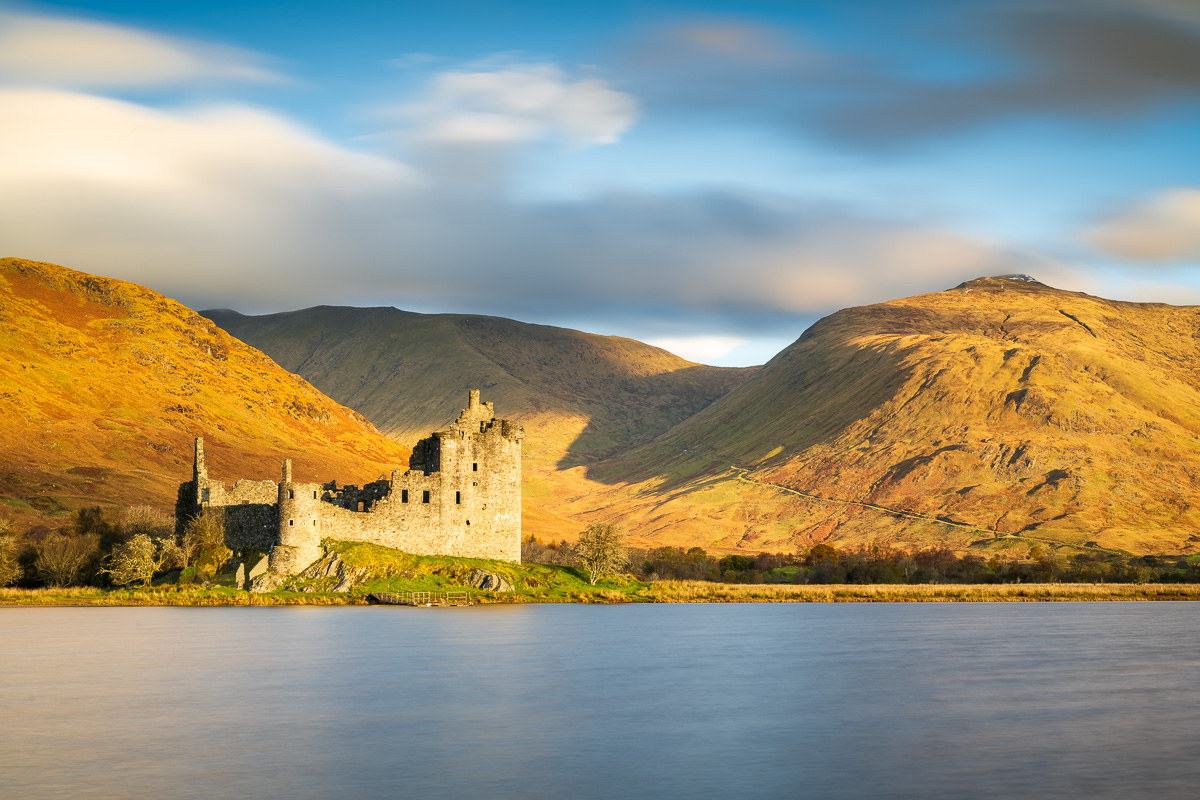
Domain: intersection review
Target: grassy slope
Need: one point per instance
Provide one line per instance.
(580, 396)
(104, 384)
(1001, 404)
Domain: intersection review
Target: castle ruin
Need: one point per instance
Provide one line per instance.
(460, 496)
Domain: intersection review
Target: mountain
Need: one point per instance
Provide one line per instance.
(1010, 411)
(104, 385)
(580, 396)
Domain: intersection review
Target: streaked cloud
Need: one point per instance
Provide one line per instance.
(519, 103)
(1165, 228)
(977, 64)
(69, 52)
(235, 206)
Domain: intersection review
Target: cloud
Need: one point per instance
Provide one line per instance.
(236, 206)
(986, 62)
(59, 51)
(1165, 228)
(1057, 64)
(702, 349)
(519, 103)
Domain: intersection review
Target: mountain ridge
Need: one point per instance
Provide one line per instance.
(1003, 404)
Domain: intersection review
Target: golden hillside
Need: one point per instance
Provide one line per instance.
(580, 396)
(1016, 410)
(104, 385)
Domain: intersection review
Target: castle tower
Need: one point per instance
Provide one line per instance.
(480, 465)
(199, 470)
(299, 542)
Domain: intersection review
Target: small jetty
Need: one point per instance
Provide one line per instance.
(425, 599)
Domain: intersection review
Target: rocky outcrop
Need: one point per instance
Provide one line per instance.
(490, 581)
(328, 574)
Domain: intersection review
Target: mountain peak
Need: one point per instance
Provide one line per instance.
(1003, 283)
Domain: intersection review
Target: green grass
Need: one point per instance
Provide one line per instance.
(393, 571)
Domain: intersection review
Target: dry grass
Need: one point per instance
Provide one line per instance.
(702, 592)
(661, 592)
(88, 596)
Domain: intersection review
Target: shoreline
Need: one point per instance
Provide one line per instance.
(659, 592)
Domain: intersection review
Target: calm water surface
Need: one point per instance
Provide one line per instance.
(904, 700)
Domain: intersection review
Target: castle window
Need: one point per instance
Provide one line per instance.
(425, 496)
(404, 495)
(291, 494)
(475, 467)
(291, 522)
(360, 506)
(468, 523)
(204, 495)
(314, 495)
(458, 498)
(314, 522)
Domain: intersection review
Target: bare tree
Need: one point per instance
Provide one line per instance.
(148, 520)
(601, 550)
(63, 560)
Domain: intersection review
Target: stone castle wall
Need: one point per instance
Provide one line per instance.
(461, 496)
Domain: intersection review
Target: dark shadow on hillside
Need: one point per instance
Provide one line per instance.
(804, 397)
(641, 409)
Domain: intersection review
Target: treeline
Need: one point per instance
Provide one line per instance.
(877, 563)
(105, 547)
(881, 563)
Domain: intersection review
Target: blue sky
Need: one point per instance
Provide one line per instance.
(708, 176)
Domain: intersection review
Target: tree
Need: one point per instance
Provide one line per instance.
(822, 553)
(600, 550)
(204, 540)
(63, 560)
(138, 559)
(10, 561)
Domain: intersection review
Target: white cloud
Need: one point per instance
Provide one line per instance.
(1162, 229)
(230, 205)
(59, 51)
(236, 206)
(519, 103)
(702, 349)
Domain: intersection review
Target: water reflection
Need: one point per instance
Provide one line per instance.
(582, 701)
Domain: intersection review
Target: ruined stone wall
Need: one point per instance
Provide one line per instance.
(248, 509)
(460, 497)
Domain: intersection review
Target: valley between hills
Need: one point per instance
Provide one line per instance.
(999, 414)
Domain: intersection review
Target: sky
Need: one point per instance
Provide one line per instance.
(710, 177)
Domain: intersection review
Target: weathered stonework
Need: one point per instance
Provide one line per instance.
(460, 496)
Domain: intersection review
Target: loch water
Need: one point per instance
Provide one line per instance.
(574, 701)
